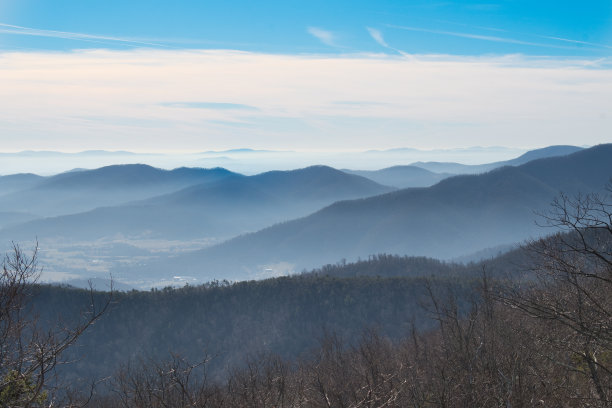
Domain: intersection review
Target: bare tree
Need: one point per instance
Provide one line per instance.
(264, 381)
(28, 352)
(172, 383)
(569, 290)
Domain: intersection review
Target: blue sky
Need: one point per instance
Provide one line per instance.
(446, 27)
(303, 75)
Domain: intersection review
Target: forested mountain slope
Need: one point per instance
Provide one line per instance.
(286, 315)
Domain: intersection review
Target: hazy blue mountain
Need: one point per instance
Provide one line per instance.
(9, 218)
(132, 176)
(402, 176)
(232, 205)
(77, 191)
(425, 174)
(98, 284)
(16, 182)
(550, 151)
(458, 216)
(457, 168)
(315, 183)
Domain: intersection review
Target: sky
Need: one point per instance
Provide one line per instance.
(160, 76)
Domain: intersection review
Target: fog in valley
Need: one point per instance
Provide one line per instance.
(150, 227)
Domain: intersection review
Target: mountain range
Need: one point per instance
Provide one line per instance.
(425, 174)
(402, 176)
(459, 215)
(457, 168)
(225, 205)
(83, 190)
(130, 219)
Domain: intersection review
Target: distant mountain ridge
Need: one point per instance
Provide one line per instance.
(458, 168)
(426, 174)
(77, 191)
(402, 176)
(84, 216)
(457, 216)
(15, 182)
(132, 175)
(230, 205)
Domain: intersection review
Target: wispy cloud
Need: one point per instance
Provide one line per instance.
(325, 36)
(547, 37)
(37, 32)
(208, 105)
(575, 41)
(478, 37)
(377, 36)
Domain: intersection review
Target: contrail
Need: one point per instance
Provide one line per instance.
(19, 30)
(478, 37)
(500, 39)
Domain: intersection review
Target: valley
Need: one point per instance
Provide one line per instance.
(146, 227)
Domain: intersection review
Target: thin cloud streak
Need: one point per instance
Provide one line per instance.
(575, 41)
(325, 36)
(501, 30)
(37, 32)
(378, 37)
(477, 37)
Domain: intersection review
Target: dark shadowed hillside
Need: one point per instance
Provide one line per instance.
(285, 315)
(457, 216)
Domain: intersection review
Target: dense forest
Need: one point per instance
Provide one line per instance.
(528, 328)
(234, 320)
